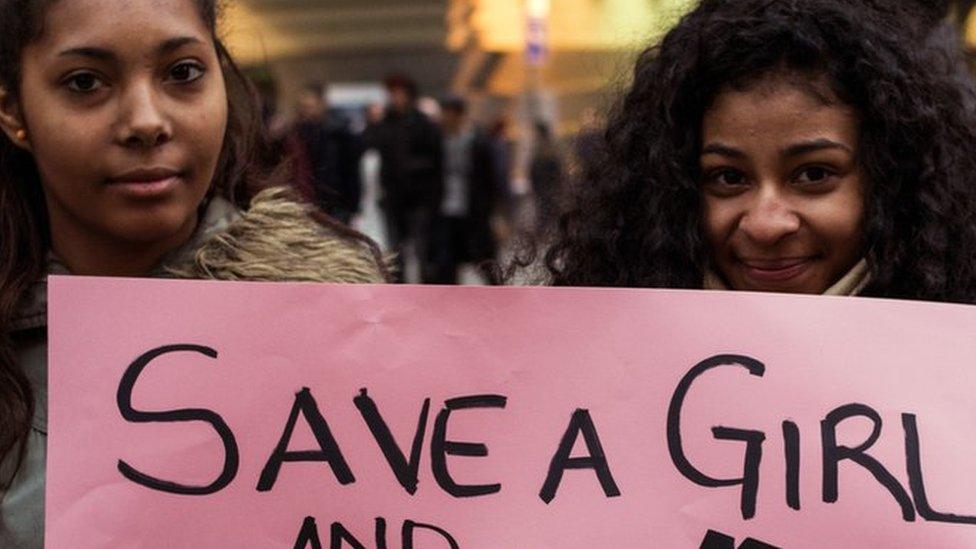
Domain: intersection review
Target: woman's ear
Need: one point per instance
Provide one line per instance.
(11, 120)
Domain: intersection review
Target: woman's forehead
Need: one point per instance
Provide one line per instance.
(123, 25)
(816, 84)
(775, 111)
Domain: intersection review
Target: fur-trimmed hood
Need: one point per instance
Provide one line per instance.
(276, 239)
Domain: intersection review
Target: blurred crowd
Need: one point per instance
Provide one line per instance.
(435, 188)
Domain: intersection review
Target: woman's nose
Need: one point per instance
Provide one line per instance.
(143, 124)
(769, 218)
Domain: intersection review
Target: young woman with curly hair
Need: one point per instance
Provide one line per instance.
(130, 146)
(815, 146)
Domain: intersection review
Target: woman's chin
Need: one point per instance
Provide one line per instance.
(806, 283)
(149, 230)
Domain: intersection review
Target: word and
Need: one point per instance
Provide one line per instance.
(340, 537)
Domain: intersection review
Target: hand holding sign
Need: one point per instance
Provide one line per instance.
(258, 415)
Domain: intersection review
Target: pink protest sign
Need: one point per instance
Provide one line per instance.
(201, 414)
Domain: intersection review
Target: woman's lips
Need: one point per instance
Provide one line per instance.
(146, 184)
(777, 270)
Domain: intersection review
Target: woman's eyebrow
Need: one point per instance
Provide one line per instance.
(105, 54)
(176, 43)
(804, 147)
(722, 149)
(101, 54)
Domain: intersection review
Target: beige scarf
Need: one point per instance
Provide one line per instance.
(850, 284)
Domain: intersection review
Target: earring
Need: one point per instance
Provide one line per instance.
(21, 135)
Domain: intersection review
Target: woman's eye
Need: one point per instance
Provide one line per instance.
(185, 73)
(728, 178)
(812, 176)
(726, 182)
(84, 82)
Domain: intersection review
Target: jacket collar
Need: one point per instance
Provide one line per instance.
(219, 214)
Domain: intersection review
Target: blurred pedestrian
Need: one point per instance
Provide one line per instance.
(546, 174)
(284, 146)
(501, 167)
(411, 173)
(462, 231)
(333, 153)
(589, 140)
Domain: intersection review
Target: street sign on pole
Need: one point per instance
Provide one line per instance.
(537, 32)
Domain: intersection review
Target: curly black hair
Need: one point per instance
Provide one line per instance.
(635, 219)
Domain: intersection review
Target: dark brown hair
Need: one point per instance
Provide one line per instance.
(246, 166)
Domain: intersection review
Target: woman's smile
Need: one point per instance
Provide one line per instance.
(772, 271)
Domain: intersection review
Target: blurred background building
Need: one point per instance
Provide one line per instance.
(470, 47)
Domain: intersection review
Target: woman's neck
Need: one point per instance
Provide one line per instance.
(89, 254)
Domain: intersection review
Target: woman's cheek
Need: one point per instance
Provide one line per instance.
(208, 128)
(69, 151)
(716, 221)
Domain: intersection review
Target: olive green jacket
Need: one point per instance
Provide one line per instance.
(275, 240)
